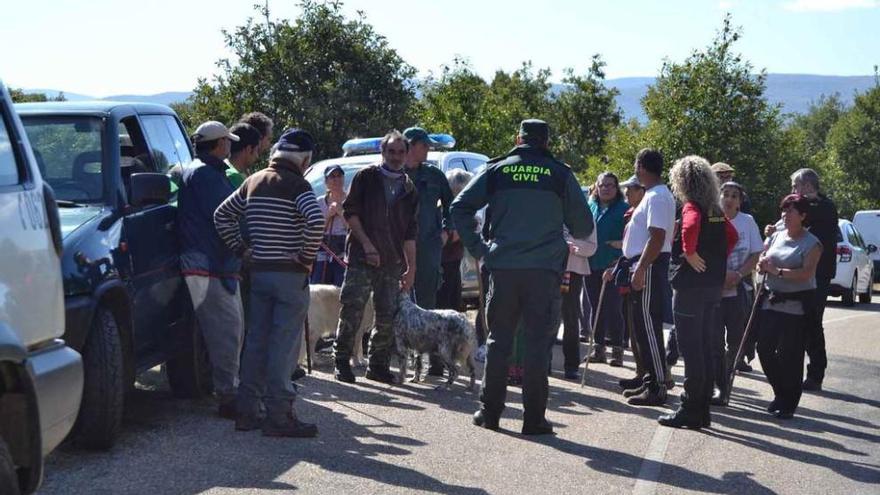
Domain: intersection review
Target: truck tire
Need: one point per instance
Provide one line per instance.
(8, 475)
(100, 413)
(189, 373)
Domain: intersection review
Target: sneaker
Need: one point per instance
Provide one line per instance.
(616, 357)
(773, 406)
(784, 414)
(719, 398)
(343, 372)
(634, 382)
(292, 428)
(648, 398)
(598, 355)
(297, 374)
(486, 420)
(248, 422)
(541, 428)
(481, 354)
(812, 385)
(380, 374)
(632, 392)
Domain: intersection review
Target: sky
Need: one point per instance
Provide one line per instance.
(110, 47)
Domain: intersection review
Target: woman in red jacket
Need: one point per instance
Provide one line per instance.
(698, 266)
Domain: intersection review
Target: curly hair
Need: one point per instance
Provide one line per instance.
(692, 179)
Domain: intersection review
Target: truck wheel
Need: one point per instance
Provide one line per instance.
(849, 296)
(100, 413)
(189, 374)
(8, 476)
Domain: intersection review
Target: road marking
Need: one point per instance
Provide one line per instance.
(652, 464)
(850, 317)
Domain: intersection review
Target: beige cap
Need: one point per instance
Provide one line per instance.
(721, 167)
(211, 130)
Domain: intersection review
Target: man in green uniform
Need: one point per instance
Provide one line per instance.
(531, 196)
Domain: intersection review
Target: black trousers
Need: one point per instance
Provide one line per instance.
(610, 324)
(815, 338)
(694, 312)
(646, 312)
(572, 316)
(727, 332)
(533, 296)
(781, 351)
(449, 295)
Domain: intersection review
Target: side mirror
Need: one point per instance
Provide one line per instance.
(149, 189)
(872, 249)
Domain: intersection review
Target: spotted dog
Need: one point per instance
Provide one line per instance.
(445, 332)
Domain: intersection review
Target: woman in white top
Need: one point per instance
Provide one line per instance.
(328, 270)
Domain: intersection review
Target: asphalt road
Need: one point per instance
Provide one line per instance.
(402, 439)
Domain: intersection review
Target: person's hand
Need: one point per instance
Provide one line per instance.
(407, 280)
(615, 244)
(608, 275)
(572, 248)
(333, 209)
(769, 230)
(298, 260)
(770, 267)
(638, 279)
(696, 262)
(731, 279)
(371, 255)
(246, 255)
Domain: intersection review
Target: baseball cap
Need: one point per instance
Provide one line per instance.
(333, 168)
(417, 134)
(534, 129)
(722, 167)
(294, 140)
(631, 182)
(211, 130)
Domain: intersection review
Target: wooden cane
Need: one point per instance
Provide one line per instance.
(590, 341)
(745, 338)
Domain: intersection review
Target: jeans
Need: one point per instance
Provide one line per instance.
(278, 309)
(610, 324)
(694, 310)
(219, 313)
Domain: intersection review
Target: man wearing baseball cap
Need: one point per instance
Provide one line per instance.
(725, 173)
(435, 227)
(210, 269)
(284, 228)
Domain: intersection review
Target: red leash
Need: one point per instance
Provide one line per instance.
(333, 255)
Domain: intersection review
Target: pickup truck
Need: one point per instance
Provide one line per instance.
(126, 305)
(41, 378)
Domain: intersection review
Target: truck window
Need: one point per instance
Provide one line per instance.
(167, 143)
(8, 164)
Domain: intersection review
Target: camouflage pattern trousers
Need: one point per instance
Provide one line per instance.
(361, 281)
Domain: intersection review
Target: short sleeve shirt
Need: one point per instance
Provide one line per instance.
(786, 252)
(657, 209)
(749, 243)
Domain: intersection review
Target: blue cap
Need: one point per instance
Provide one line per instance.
(295, 140)
(333, 168)
(417, 134)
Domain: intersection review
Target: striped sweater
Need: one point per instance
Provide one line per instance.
(281, 216)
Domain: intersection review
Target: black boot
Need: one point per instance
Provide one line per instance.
(343, 371)
(682, 418)
(634, 382)
(486, 419)
(380, 374)
(542, 427)
(289, 426)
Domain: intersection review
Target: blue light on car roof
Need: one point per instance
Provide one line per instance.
(369, 146)
(444, 141)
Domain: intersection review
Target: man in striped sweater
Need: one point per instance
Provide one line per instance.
(284, 227)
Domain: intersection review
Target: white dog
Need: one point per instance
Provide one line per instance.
(445, 332)
(324, 319)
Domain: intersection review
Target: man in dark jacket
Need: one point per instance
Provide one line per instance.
(531, 196)
(210, 268)
(381, 210)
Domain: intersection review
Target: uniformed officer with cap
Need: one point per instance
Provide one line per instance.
(531, 196)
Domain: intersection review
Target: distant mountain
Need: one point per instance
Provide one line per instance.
(795, 92)
(165, 98)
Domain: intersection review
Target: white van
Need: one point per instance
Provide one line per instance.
(868, 223)
(41, 378)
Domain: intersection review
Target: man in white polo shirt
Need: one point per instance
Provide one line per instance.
(646, 247)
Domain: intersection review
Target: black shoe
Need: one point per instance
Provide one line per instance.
(436, 370)
(297, 374)
(572, 374)
(380, 374)
(719, 399)
(542, 428)
(744, 367)
(227, 410)
(784, 414)
(682, 419)
(247, 422)
(598, 355)
(486, 420)
(773, 406)
(628, 383)
(343, 372)
(648, 398)
(292, 427)
(616, 357)
(707, 418)
(632, 392)
(812, 385)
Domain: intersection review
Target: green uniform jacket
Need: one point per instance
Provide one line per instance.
(433, 188)
(531, 195)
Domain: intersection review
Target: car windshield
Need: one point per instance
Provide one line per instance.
(68, 152)
(315, 175)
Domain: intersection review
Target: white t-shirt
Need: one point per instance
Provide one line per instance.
(749, 243)
(657, 209)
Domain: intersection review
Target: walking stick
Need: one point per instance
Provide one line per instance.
(590, 341)
(308, 346)
(759, 293)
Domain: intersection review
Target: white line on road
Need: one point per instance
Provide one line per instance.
(649, 472)
(850, 317)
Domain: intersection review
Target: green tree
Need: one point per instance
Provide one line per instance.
(817, 122)
(584, 112)
(19, 96)
(334, 76)
(853, 162)
(713, 105)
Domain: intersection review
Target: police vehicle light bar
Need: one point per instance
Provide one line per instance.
(372, 146)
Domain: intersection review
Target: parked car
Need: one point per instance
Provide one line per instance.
(41, 378)
(126, 306)
(868, 223)
(855, 271)
(445, 160)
